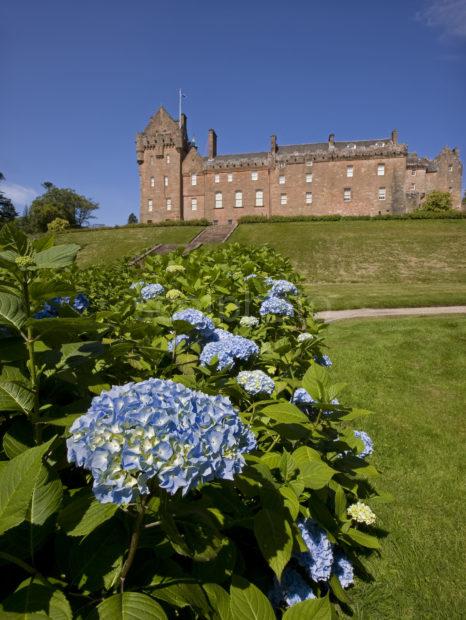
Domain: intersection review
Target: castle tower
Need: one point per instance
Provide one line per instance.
(160, 150)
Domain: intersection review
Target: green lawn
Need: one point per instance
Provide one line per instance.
(105, 246)
(412, 373)
(352, 264)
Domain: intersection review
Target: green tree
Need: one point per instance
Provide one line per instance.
(7, 209)
(64, 203)
(132, 219)
(437, 201)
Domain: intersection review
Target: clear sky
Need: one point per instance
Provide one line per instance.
(80, 78)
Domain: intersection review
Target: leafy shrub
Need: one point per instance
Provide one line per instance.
(437, 202)
(418, 214)
(185, 491)
(58, 224)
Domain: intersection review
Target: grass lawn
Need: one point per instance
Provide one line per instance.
(353, 264)
(105, 246)
(412, 373)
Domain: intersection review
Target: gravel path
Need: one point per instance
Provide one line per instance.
(360, 313)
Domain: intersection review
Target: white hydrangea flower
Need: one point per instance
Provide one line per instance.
(361, 513)
(249, 321)
(174, 267)
(174, 293)
(305, 336)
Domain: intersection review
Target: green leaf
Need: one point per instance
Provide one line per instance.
(44, 242)
(219, 600)
(275, 539)
(35, 597)
(129, 606)
(46, 496)
(316, 381)
(84, 514)
(315, 474)
(363, 539)
(57, 256)
(338, 590)
(97, 559)
(14, 239)
(290, 500)
(18, 438)
(356, 413)
(286, 413)
(15, 397)
(247, 602)
(11, 310)
(312, 609)
(17, 484)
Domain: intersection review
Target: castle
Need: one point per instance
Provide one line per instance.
(361, 177)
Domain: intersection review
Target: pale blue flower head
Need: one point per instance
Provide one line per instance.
(323, 360)
(50, 308)
(255, 382)
(343, 569)
(151, 291)
(279, 288)
(276, 305)
(157, 429)
(250, 276)
(228, 350)
(318, 560)
(199, 322)
(177, 340)
(302, 397)
(368, 444)
(291, 589)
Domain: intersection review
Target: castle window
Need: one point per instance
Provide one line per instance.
(218, 200)
(413, 187)
(150, 204)
(238, 199)
(149, 221)
(152, 182)
(450, 168)
(308, 198)
(193, 204)
(382, 193)
(259, 198)
(254, 176)
(217, 178)
(165, 181)
(168, 159)
(350, 146)
(281, 179)
(151, 160)
(230, 178)
(381, 170)
(193, 179)
(283, 199)
(309, 177)
(450, 189)
(347, 194)
(349, 171)
(168, 203)
(413, 172)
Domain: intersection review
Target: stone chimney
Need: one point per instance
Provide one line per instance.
(331, 141)
(395, 136)
(273, 144)
(183, 121)
(212, 144)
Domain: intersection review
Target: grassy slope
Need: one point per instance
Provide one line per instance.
(411, 372)
(105, 246)
(357, 264)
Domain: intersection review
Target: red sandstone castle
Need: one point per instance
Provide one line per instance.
(362, 177)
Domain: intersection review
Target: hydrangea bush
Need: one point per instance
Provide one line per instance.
(175, 445)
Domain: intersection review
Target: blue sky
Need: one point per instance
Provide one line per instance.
(79, 79)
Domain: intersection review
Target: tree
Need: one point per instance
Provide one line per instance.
(7, 209)
(132, 219)
(64, 203)
(437, 201)
(58, 224)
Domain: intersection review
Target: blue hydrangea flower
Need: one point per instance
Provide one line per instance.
(278, 288)
(228, 350)
(276, 305)
(50, 308)
(343, 569)
(323, 360)
(291, 589)
(178, 340)
(251, 275)
(318, 560)
(302, 397)
(197, 319)
(368, 444)
(157, 429)
(219, 334)
(334, 401)
(150, 291)
(255, 382)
